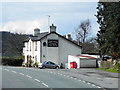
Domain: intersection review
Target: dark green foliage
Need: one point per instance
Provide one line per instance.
(117, 66)
(12, 61)
(108, 16)
(12, 44)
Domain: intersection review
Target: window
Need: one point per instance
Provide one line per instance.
(27, 46)
(35, 46)
(44, 43)
(52, 63)
(30, 46)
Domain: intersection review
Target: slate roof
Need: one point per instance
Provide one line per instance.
(45, 34)
(36, 38)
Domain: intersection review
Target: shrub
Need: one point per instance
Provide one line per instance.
(12, 61)
(117, 66)
(30, 63)
(35, 64)
(106, 64)
(26, 64)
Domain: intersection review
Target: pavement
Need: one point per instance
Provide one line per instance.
(22, 77)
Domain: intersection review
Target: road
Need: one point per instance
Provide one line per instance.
(19, 77)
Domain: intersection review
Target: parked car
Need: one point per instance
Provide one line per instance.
(48, 64)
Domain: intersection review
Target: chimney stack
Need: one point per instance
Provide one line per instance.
(36, 32)
(68, 36)
(52, 28)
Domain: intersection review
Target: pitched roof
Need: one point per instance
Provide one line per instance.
(45, 34)
(36, 38)
(86, 56)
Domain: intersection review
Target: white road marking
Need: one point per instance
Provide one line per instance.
(83, 81)
(88, 83)
(21, 73)
(64, 75)
(37, 80)
(14, 72)
(98, 87)
(79, 80)
(28, 76)
(75, 78)
(93, 85)
(6, 69)
(71, 77)
(45, 84)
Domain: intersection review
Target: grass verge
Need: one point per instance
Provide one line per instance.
(109, 70)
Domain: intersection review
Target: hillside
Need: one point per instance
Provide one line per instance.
(12, 44)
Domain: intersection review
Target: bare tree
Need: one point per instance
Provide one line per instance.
(82, 31)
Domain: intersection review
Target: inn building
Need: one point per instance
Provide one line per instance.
(49, 46)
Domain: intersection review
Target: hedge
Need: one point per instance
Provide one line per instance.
(106, 64)
(12, 61)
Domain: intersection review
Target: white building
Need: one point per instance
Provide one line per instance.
(83, 61)
(49, 46)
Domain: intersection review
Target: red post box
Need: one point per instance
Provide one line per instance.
(73, 65)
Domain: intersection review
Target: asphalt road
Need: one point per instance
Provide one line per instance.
(19, 77)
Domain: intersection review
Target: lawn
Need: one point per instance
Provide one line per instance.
(109, 70)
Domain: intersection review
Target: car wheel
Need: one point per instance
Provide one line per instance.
(43, 67)
(57, 68)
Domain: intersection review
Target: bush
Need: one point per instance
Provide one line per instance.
(26, 64)
(35, 64)
(12, 61)
(106, 64)
(30, 63)
(117, 66)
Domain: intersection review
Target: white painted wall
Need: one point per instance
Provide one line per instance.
(73, 59)
(67, 48)
(32, 52)
(82, 62)
(44, 50)
(36, 52)
(56, 54)
(52, 52)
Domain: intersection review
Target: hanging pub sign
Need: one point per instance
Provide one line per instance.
(52, 43)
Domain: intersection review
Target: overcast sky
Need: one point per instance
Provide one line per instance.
(26, 16)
